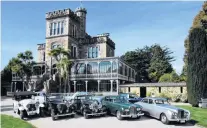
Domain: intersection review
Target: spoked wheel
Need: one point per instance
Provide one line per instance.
(164, 119)
(22, 114)
(118, 115)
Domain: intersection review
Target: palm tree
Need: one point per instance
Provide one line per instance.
(62, 57)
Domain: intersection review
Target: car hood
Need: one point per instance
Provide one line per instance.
(169, 107)
(126, 105)
(26, 102)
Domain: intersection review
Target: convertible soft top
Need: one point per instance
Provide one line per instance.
(24, 93)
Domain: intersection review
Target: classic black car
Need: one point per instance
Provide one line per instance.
(60, 107)
(89, 105)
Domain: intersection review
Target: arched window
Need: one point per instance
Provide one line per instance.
(121, 68)
(55, 45)
(80, 68)
(105, 67)
(92, 68)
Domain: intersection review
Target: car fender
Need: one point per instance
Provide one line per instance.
(21, 108)
(41, 105)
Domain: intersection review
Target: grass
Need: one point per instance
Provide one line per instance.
(198, 115)
(12, 122)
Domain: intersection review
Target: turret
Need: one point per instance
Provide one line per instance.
(81, 12)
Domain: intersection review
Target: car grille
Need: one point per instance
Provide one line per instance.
(31, 107)
(181, 114)
(132, 110)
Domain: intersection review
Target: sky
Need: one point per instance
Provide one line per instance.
(131, 25)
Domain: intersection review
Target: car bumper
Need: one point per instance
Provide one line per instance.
(96, 114)
(133, 116)
(31, 112)
(180, 120)
(68, 114)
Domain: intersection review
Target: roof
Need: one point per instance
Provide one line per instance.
(24, 93)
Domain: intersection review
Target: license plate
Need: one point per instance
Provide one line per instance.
(182, 121)
(134, 116)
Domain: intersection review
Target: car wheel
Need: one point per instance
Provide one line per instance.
(138, 117)
(164, 119)
(22, 114)
(85, 115)
(118, 115)
(42, 112)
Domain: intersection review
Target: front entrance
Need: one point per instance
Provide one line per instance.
(143, 91)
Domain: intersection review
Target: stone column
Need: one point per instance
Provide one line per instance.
(74, 86)
(117, 86)
(15, 84)
(111, 86)
(98, 85)
(86, 86)
(11, 86)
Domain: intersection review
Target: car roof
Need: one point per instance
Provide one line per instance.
(24, 93)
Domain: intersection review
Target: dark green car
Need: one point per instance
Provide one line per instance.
(121, 108)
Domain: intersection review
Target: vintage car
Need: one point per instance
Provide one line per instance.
(121, 107)
(132, 98)
(89, 105)
(25, 104)
(60, 107)
(161, 109)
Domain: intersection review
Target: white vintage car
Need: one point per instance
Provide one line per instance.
(25, 104)
(161, 109)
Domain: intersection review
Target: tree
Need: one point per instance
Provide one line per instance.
(160, 62)
(150, 63)
(196, 70)
(62, 58)
(170, 77)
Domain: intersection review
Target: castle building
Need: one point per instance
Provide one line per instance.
(95, 68)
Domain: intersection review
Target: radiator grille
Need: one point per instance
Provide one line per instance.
(32, 107)
(181, 114)
(132, 110)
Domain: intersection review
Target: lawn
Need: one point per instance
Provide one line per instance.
(11, 122)
(199, 115)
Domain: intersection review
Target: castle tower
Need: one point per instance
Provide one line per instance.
(81, 12)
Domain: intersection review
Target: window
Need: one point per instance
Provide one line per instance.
(94, 52)
(51, 28)
(145, 100)
(150, 101)
(90, 52)
(62, 28)
(58, 29)
(181, 89)
(74, 51)
(159, 89)
(54, 32)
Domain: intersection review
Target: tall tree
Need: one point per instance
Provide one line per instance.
(197, 62)
(63, 62)
(160, 62)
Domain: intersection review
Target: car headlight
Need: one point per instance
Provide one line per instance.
(122, 108)
(138, 109)
(19, 104)
(186, 114)
(174, 114)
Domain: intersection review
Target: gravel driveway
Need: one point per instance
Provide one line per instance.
(80, 122)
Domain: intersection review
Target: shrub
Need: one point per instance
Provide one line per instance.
(184, 98)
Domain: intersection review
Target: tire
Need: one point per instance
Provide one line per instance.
(73, 116)
(164, 119)
(22, 114)
(53, 115)
(85, 115)
(138, 117)
(42, 112)
(118, 115)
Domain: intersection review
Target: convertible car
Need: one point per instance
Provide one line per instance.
(161, 109)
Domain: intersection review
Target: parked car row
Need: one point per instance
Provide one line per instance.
(88, 105)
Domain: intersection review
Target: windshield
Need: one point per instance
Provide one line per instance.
(161, 101)
(121, 99)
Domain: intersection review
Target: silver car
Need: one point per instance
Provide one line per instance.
(161, 109)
